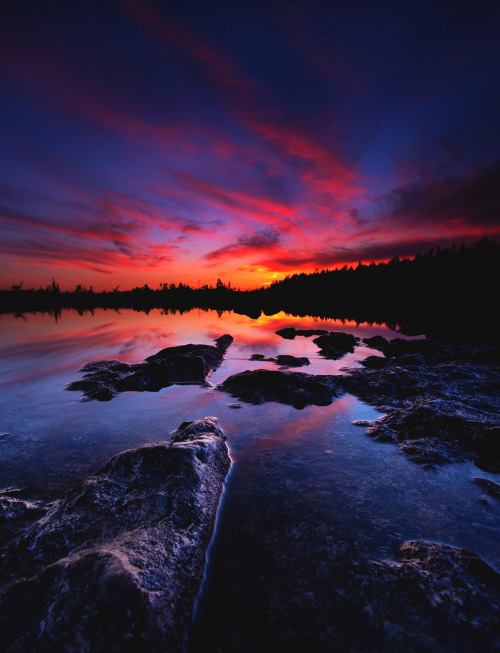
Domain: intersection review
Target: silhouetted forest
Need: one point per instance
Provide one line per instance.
(440, 286)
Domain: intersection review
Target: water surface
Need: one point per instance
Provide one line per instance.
(302, 481)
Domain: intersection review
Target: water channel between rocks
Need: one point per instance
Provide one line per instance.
(308, 495)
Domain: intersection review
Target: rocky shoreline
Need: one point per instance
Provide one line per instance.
(116, 564)
(442, 402)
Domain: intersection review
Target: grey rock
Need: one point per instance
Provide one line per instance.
(116, 564)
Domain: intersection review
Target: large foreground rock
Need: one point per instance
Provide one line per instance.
(116, 564)
(293, 388)
(189, 364)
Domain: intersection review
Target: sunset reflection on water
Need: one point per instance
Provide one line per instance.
(294, 471)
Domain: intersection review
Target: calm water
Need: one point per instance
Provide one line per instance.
(298, 476)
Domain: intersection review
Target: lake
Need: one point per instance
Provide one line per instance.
(308, 492)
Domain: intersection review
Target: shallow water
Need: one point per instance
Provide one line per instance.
(302, 482)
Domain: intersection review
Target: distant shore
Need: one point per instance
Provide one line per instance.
(450, 290)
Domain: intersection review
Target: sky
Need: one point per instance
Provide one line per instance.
(159, 142)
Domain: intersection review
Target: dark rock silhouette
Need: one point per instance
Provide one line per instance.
(293, 388)
(374, 362)
(283, 360)
(116, 564)
(189, 364)
(334, 345)
(377, 342)
(289, 333)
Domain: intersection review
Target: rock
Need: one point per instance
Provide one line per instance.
(101, 366)
(116, 564)
(224, 342)
(484, 355)
(437, 411)
(13, 509)
(430, 350)
(433, 598)
(407, 360)
(377, 342)
(286, 360)
(334, 345)
(189, 364)
(490, 487)
(399, 347)
(289, 333)
(374, 362)
(293, 388)
(283, 360)
(487, 444)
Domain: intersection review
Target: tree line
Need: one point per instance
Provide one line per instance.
(452, 283)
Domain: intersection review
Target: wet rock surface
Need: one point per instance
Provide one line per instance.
(442, 402)
(310, 586)
(187, 364)
(490, 487)
(115, 565)
(335, 344)
(296, 389)
(13, 510)
(433, 597)
(283, 360)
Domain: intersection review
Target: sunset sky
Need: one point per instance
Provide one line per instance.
(147, 142)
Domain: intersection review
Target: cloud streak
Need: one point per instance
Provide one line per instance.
(148, 143)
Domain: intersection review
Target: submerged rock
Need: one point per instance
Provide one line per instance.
(334, 345)
(116, 564)
(283, 360)
(190, 364)
(293, 388)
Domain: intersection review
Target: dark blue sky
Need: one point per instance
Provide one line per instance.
(150, 142)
